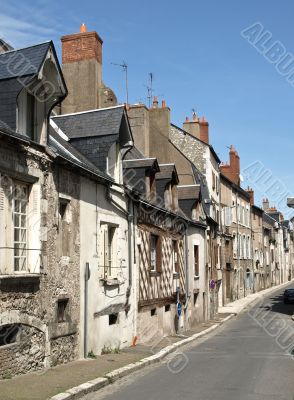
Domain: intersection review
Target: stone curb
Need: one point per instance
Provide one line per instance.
(250, 300)
(96, 384)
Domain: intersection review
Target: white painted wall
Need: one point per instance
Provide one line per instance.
(96, 208)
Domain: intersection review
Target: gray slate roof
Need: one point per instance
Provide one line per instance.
(92, 123)
(189, 192)
(71, 154)
(23, 62)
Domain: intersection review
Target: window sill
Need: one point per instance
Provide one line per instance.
(196, 277)
(22, 275)
(176, 275)
(154, 273)
(111, 282)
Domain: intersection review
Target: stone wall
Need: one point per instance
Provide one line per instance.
(25, 355)
(31, 301)
(193, 149)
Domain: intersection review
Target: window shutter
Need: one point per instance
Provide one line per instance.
(159, 254)
(103, 250)
(33, 224)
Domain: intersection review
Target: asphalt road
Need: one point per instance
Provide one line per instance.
(243, 360)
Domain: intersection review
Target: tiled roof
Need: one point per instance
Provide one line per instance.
(101, 122)
(22, 62)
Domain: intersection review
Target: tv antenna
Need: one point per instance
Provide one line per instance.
(150, 88)
(124, 67)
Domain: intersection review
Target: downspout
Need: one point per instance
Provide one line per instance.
(188, 295)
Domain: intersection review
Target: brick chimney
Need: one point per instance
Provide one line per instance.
(250, 191)
(232, 170)
(82, 70)
(197, 128)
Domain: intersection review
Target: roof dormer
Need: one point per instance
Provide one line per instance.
(34, 81)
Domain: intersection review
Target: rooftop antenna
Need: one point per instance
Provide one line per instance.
(124, 67)
(150, 88)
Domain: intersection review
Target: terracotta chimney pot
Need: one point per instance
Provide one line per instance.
(83, 28)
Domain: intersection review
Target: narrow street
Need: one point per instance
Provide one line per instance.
(241, 361)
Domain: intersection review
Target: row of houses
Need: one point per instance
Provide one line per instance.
(117, 226)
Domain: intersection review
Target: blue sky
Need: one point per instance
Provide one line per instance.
(200, 61)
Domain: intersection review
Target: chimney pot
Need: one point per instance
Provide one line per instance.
(203, 119)
(155, 102)
(194, 116)
(198, 119)
(83, 28)
(187, 119)
(163, 104)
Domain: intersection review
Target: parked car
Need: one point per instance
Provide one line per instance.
(289, 296)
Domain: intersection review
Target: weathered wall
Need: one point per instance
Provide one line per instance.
(32, 300)
(105, 299)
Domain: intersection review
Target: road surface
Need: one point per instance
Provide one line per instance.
(243, 360)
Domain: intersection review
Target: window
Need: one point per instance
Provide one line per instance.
(235, 246)
(196, 260)
(213, 180)
(20, 205)
(153, 312)
(108, 250)
(62, 310)
(168, 196)
(167, 308)
(155, 253)
(195, 298)
(9, 334)
(19, 227)
(113, 319)
(113, 162)
(175, 257)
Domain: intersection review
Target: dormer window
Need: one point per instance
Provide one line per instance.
(26, 113)
(114, 162)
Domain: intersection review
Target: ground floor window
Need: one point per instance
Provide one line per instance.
(8, 334)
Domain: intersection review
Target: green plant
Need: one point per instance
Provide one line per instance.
(91, 355)
(110, 350)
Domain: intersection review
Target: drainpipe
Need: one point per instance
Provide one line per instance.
(187, 269)
(87, 277)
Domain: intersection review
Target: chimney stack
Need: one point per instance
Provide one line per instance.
(204, 130)
(82, 70)
(265, 205)
(250, 191)
(155, 102)
(197, 128)
(232, 170)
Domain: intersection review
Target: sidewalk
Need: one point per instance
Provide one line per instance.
(103, 370)
(237, 306)
(45, 384)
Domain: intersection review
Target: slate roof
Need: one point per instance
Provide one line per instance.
(141, 163)
(23, 62)
(103, 122)
(71, 154)
(200, 179)
(269, 219)
(134, 154)
(167, 171)
(189, 192)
